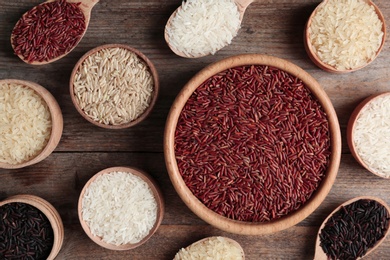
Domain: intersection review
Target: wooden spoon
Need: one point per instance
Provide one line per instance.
(203, 242)
(319, 252)
(326, 67)
(241, 5)
(85, 7)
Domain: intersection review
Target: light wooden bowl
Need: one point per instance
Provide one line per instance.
(219, 221)
(57, 123)
(326, 67)
(351, 127)
(49, 211)
(152, 69)
(157, 195)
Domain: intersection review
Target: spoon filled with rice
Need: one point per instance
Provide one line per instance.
(202, 27)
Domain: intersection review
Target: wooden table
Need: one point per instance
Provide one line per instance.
(273, 27)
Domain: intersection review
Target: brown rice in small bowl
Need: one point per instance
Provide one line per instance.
(114, 86)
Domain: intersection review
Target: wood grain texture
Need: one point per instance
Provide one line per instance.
(271, 27)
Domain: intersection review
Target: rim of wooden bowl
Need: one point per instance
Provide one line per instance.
(152, 69)
(326, 67)
(50, 212)
(56, 118)
(157, 195)
(224, 223)
(351, 128)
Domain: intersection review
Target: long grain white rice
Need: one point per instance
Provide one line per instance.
(346, 34)
(25, 123)
(113, 86)
(214, 248)
(203, 27)
(119, 207)
(372, 135)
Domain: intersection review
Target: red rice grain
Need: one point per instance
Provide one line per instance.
(48, 30)
(252, 143)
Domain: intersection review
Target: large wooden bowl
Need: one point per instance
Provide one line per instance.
(56, 118)
(219, 221)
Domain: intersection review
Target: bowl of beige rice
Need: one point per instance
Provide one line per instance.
(114, 86)
(343, 36)
(31, 123)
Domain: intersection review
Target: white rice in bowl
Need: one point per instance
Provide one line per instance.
(120, 208)
(371, 135)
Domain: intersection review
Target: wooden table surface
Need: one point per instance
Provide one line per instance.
(272, 27)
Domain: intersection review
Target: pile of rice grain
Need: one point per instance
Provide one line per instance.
(113, 86)
(371, 135)
(25, 123)
(120, 208)
(215, 248)
(202, 27)
(346, 34)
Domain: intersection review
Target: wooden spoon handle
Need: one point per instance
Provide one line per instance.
(85, 6)
(242, 5)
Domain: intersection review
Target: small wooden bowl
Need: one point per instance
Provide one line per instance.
(57, 123)
(219, 221)
(153, 72)
(326, 67)
(351, 128)
(49, 211)
(157, 195)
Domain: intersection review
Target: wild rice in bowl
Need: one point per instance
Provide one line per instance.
(25, 123)
(113, 85)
